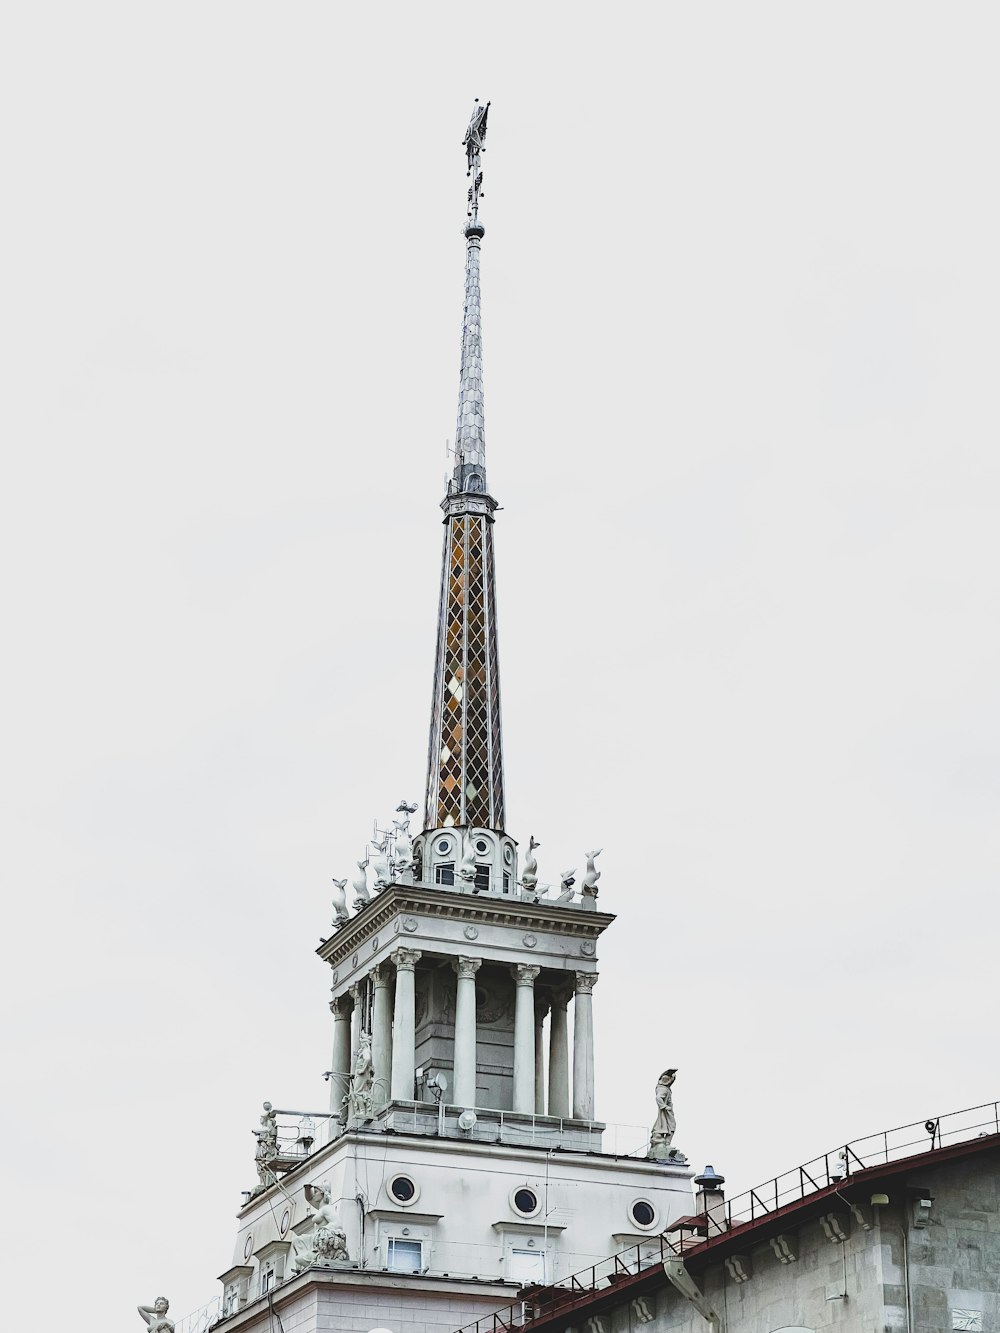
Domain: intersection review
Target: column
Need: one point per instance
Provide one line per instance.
(559, 1056)
(583, 1047)
(404, 1025)
(464, 1093)
(340, 1068)
(541, 1009)
(381, 979)
(524, 1037)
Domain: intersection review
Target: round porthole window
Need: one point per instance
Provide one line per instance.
(286, 1218)
(508, 855)
(403, 1190)
(248, 1247)
(444, 846)
(525, 1201)
(482, 846)
(642, 1213)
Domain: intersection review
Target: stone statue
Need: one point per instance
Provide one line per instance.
(661, 1136)
(593, 874)
(360, 1093)
(380, 864)
(467, 864)
(403, 845)
(529, 876)
(267, 1146)
(326, 1241)
(340, 902)
(155, 1316)
(360, 886)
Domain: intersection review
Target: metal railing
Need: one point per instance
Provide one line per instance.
(831, 1168)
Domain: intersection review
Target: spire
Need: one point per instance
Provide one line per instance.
(465, 760)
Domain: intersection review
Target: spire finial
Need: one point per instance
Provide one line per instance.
(473, 143)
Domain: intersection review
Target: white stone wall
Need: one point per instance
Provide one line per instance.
(462, 1211)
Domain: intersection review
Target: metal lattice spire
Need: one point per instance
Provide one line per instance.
(465, 785)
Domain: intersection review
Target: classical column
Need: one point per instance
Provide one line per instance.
(524, 1037)
(583, 1047)
(381, 978)
(464, 1093)
(404, 1025)
(559, 1055)
(541, 1009)
(341, 1007)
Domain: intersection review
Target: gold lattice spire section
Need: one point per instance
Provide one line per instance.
(465, 785)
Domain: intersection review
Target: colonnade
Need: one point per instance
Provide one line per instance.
(393, 1038)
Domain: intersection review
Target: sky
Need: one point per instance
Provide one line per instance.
(740, 282)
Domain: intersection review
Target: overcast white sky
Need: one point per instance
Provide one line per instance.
(740, 287)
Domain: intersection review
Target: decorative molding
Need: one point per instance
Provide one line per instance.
(405, 959)
(427, 902)
(739, 1268)
(341, 1006)
(588, 948)
(524, 973)
(786, 1249)
(471, 933)
(410, 923)
(467, 967)
(585, 982)
(381, 975)
(529, 941)
(835, 1227)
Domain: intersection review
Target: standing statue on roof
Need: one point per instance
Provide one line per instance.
(267, 1147)
(661, 1136)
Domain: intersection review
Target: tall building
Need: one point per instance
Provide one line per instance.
(462, 1155)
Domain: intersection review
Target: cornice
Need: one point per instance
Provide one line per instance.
(492, 909)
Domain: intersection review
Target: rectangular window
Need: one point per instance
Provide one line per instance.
(506, 882)
(445, 874)
(266, 1281)
(526, 1266)
(405, 1256)
(483, 878)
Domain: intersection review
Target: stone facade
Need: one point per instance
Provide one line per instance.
(926, 1261)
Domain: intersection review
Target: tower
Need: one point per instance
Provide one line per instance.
(460, 1155)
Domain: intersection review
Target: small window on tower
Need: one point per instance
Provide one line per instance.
(482, 878)
(445, 874)
(506, 882)
(405, 1256)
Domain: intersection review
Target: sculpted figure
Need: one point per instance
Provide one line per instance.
(359, 1097)
(380, 864)
(155, 1315)
(467, 865)
(593, 874)
(267, 1146)
(340, 901)
(403, 846)
(360, 885)
(529, 876)
(662, 1134)
(566, 882)
(326, 1240)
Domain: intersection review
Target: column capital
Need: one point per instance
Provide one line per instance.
(341, 1006)
(524, 974)
(355, 992)
(405, 959)
(542, 1002)
(560, 998)
(585, 982)
(380, 975)
(467, 967)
